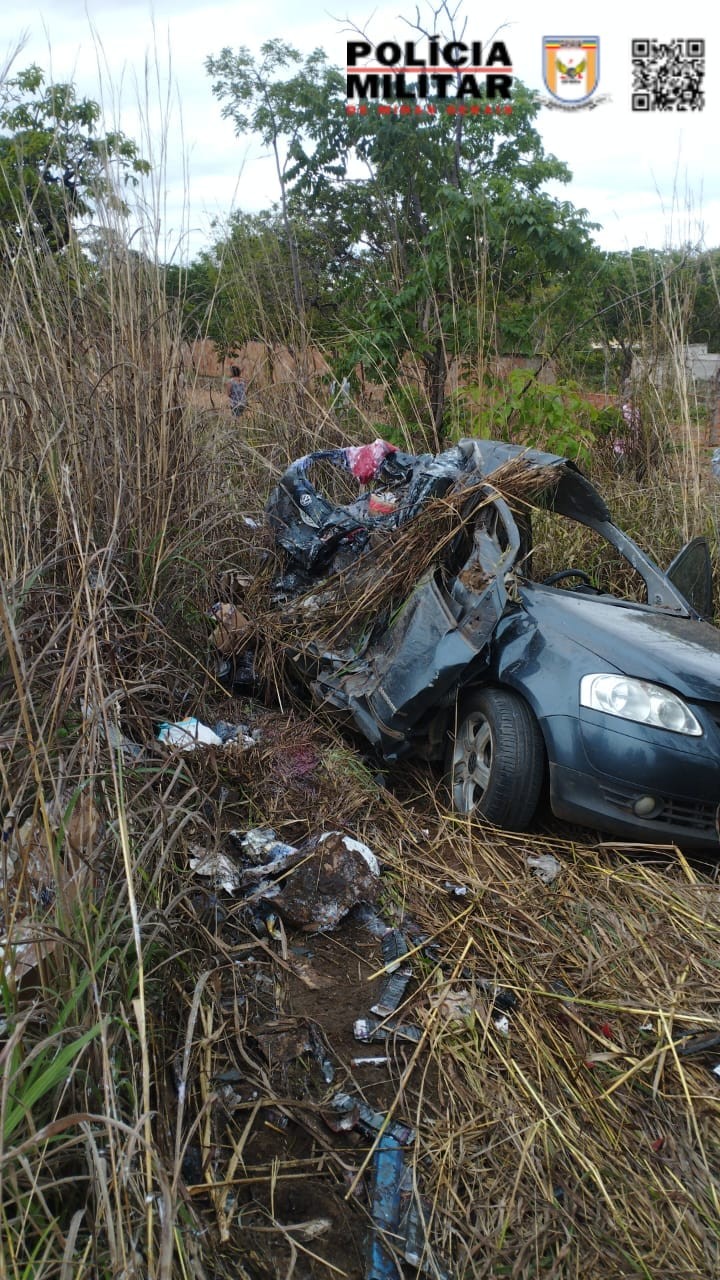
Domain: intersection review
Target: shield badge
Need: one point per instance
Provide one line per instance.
(571, 67)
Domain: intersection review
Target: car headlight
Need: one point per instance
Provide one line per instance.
(640, 701)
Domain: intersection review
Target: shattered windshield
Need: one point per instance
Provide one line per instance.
(559, 544)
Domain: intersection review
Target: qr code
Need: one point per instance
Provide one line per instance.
(668, 76)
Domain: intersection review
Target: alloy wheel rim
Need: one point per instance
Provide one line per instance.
(472, 762)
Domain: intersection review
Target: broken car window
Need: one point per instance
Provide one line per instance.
(560, 544)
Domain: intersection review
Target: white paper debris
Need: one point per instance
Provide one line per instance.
(545, 867)
(188, 734)
(217, 867)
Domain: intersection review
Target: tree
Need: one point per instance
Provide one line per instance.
(450, 245)
(54, 163)
(464, 252)
(278, 111)
(242, 288)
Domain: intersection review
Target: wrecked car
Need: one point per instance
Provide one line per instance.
(596, 683)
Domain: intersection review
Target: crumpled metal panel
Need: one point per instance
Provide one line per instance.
(438, 637)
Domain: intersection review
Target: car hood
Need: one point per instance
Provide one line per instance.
(682, 653)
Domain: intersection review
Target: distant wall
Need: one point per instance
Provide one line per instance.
(260, 364)
(268, 365)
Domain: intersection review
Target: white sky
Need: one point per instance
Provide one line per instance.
(649, 179)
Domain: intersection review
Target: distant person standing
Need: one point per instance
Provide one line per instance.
(237, 392)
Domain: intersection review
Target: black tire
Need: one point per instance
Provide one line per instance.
(496, 759)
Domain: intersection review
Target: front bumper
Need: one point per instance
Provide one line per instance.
(600, 767)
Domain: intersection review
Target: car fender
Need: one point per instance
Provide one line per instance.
(544, 667)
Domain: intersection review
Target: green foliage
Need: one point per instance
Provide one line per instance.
(519, 408)
(429, 235)
(33, 1081)
(54, 162)
(242, 288)
(283, 113)
(436, 229)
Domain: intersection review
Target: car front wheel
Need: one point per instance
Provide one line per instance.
(496, 758)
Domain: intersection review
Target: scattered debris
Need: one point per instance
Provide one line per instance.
(261, 845)
(691, 1043)
(457, 890)
(131, 752)
(392, 994)
(191, 733)
(347, 1111)
(44, 863)
(394, 948)
(462, 1004)
(388, 1164)
(217, 867)
(188, 734)
(232, 628)
(414, 1232)
(364, 914)
(545, 866)
(329, 875)
(291, 1038)
(237, 734)
(370, 1029)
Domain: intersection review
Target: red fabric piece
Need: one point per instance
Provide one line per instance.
(379, 506)
(365, 460)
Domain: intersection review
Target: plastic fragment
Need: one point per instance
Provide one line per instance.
(457, 890)
(414, 1233)
(188, 734)
(130, 751)
(503, 999)
(545, 867)
(370, 1062)
(216, 866)
(413, 1230)
(352, 1111)
(394, 946)
(238, 734)
(369, 1029)
(364, 914)
(387, 1173)
(392, 993)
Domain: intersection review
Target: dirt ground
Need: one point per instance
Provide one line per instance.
(277, 1016)
(295, 998)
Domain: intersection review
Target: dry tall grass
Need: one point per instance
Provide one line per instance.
(109, 520)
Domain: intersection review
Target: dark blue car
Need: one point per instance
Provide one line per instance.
(598, 682)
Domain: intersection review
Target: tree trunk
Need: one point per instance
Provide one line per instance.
(292, 247)
(435, 379)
